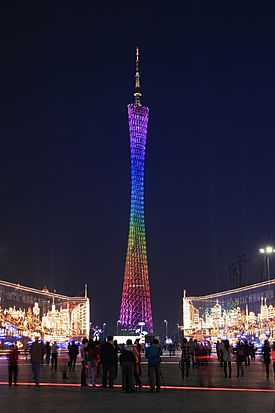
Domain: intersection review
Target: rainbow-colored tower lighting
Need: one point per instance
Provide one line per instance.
(136, 301)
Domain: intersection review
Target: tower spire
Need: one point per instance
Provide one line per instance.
(137, 93)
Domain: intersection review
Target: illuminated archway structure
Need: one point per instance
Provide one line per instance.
(136, 301)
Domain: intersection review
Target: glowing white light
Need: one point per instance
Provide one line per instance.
(262, 251)
(269, 250)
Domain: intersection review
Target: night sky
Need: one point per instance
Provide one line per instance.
(67, 75)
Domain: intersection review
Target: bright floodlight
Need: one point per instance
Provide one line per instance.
(262, 251)
(269, 250)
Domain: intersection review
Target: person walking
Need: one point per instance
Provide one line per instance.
(84, 362)
(127, 362)
(227, 356)
(266, 356)
(240, 357)
(54, 355)
(48, 353)
(36, 352)
(13, 364)
(108, 358)
(153, 354)
(185, 358)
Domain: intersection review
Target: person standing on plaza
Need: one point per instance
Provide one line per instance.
(240, 357)
(108, 359)
(127, 361)
(130, 347)
(48, 353)
(227, 357)
(36, 352)
(218, 346)
(43, 353)
(84, 362)
(252, 351)
(93, 360)
(192, 346)
(266, 356)
(73, 353)
(117, 350)
(153, 354)
(185, 358)
(138, 352)
(13, 364)
(246, 353)
(54, 356)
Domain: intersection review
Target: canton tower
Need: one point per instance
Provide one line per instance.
(135, 311)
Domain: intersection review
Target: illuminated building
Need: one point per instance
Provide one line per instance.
(136, 301)
(26, 312)
(229, 314)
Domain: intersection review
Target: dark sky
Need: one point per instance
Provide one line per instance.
(67, 74)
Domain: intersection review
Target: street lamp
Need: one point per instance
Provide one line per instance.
(166, 328)
(104, 334)
(117, 323)
(267, 252)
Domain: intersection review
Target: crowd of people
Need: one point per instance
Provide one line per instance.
(196, 354)
(100, 360)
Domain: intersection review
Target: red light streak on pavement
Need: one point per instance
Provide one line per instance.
(249, 390)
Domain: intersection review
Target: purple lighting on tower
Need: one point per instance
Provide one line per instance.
(136, 301)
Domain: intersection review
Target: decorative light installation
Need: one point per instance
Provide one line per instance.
(136, 302)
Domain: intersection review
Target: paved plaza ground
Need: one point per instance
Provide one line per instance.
(206, 390)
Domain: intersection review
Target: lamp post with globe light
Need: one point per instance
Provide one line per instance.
(117, 324)
(267, 253)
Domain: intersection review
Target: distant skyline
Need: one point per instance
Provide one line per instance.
(66, 79)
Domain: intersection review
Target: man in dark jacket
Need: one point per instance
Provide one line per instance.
(73, 352)
(36, 352)
(127, 361)
(13, 364)
(108, 358)
(153, 354)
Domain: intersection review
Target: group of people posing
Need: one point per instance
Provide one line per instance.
(103, 358)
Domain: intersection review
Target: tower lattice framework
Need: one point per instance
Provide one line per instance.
(136, 301)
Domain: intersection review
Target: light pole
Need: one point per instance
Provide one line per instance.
(166, 329)
(104, 333)
(117, 323)
(267, 252)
